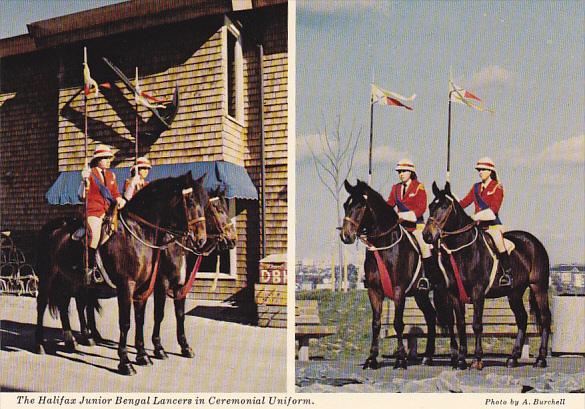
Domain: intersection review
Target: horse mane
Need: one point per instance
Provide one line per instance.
(155, 190)
(376, 200)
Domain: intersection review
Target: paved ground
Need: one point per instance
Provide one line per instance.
(229, 357)
(564, 374)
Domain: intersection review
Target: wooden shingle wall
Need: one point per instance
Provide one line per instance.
(28, 146)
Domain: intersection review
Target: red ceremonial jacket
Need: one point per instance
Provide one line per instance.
(414, 200)
(492, 195)
(97, 205)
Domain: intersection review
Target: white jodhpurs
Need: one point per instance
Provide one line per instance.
(425, 248)
(497, 233)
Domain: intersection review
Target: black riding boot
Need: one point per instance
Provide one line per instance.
(87, 278)
(506, 278)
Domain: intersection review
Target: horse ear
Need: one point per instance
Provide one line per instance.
(448, 188)
(348, 187)
(200, 180)
(435, 189)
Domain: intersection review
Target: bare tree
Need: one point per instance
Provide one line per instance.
(333, 160)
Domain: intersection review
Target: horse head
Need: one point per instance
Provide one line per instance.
(219, 222)
(174, 204)
(446, 214)
(355, 210)
(196, 200)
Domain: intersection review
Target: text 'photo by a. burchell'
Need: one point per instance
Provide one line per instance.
(443, 143)
(143, 160)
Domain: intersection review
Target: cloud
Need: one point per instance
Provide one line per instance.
(332, 6)
(492, 74)
(564, 153)
(568, 152)
(380, 155)
(303, 150)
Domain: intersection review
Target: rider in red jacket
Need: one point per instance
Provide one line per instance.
(137, 179)
(487, 196)
(410, 199)
(101, 189)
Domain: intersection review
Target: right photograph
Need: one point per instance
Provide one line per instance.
(440, 154)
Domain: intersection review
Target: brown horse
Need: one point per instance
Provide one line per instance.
(178, 261)
(367, 214)
(468, 261)
(164, 211)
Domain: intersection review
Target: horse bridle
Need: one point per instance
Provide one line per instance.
(223, 229)
(367, 236)
(175, 234)
(440, 225)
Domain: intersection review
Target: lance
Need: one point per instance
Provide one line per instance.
(136, 123)
(371, 139)
(86, 182)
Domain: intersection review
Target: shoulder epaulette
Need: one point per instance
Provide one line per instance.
(420, 187)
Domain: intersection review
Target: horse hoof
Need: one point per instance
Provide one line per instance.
(40, 349)
(126, 369)
(371, 363)
(427, 361)
(512, 363)
(540, 363)
(87, 341)
(187, 352)
(454, 362)
(160, 353)
(477, 364)
(461, 364)
(69, 346)
(143, 360)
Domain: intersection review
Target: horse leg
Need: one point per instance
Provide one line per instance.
(39, 333)
(68, 337)
(444, 307)
(186, 350)
(376, 300)
(459, 308)
(124, 297)
(81, 306)
(142, 357)
(424, 303)
(517, 306)
(90, 309)
(399, 328)
(478, 331)
(159, 314)
(539, 299)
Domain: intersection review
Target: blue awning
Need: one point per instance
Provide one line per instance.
(233, 178)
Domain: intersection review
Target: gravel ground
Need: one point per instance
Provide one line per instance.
(563, 375)
(229, 357)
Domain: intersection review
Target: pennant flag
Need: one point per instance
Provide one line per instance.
(89, 84)
(462, 96)
(142, 98)
(383, 97)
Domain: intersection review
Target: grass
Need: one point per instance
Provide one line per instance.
(351, 313)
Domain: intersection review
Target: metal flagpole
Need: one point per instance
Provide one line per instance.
(86, 182)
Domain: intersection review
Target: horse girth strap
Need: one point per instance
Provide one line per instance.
(384, 276)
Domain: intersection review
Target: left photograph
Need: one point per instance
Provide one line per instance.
(143, 175)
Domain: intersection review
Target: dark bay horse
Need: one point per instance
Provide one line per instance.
(164, 211)
(367, 214)
(465, 245)
(176, 264)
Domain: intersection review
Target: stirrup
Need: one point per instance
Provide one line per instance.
(97, 276)
(505, 280)
(423, 284)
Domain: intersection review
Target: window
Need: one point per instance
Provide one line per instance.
(234, 70)
(227, 259)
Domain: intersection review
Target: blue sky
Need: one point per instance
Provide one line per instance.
(16, 14)
(524, 59)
